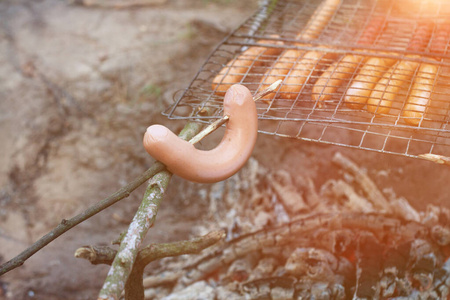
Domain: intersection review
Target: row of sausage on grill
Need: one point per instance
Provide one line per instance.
(376, 82)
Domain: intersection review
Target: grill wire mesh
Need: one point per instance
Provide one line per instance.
(298, 115)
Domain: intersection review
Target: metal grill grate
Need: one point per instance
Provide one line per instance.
(412, 34)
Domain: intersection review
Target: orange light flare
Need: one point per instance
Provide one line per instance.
(423, 8)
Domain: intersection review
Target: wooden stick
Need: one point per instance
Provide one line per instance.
(213, 126)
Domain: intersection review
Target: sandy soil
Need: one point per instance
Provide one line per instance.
(78, 87)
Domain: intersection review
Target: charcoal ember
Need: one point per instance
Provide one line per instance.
(241, 269)
(423, 270)
(337, 241)
(395, 264)
(442, 280)
(400, 207)
(227, 292)
(312, 263)
(328, 250)
(345, 270)
(441, 235)
(346, 197)
(262, 288)
(264, 268)
(424, 262)
(338, 292)
(307, 289)
(388, 285)
(368, 267)
(281, 182)
(306, 184)
(404, 287)
(321, 290)
(198, 290)
(396, 259)
(281, 293)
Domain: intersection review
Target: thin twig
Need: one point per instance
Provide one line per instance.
(439, 159)
(65, 225)
(118, 4)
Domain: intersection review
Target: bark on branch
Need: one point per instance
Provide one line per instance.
(134, 288)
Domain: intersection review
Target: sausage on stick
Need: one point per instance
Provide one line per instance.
(184, 160)
(288, 59)
(388, 87)
(237, 68)
(335, 74)
(422, 89)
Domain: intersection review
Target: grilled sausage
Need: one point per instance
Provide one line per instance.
(381, 99)
(420, 96)
(319, 20)
(279, 70)
(299, 73)
(363, 84)
(313, 28)
(387, 88)
(336, 73)
(237, 68)
(184, 160)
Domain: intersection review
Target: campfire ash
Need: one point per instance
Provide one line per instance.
(286, 240)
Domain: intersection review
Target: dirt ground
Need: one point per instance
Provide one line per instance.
(78, 87)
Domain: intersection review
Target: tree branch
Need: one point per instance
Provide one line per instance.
(134, 288)
(105, 255)
(66, 225)
(128, 250)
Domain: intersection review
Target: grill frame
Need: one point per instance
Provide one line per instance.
(301, 118)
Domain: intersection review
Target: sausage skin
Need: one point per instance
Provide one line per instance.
(299, 73)
(362, 85)
(318, 21)
(381, 99)
(237, 68)
(279, 70)
(334, 75)
(387, 88)
(184, 160)
(420, 94)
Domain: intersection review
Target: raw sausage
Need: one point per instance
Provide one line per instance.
(184, 160)
(420, 94)
(237, 68)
